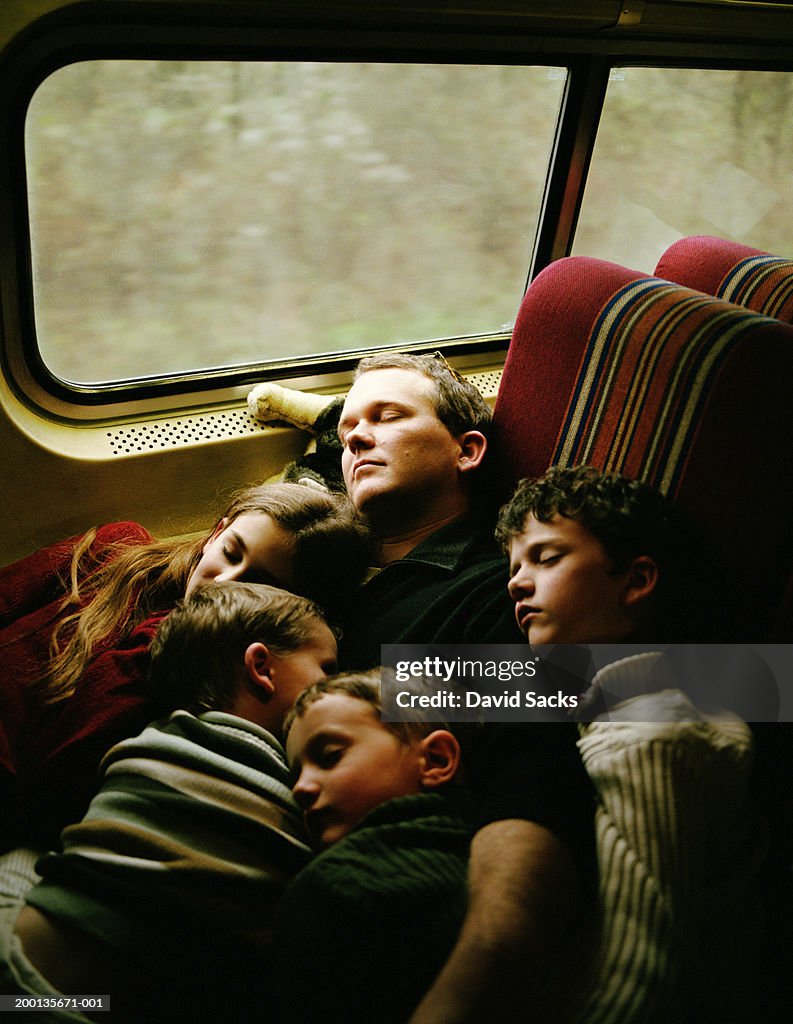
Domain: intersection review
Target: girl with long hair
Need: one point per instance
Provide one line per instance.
(77, 619)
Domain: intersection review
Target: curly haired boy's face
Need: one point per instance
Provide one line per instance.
(564, 587)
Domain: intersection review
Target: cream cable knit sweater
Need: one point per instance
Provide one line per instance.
(679, 853)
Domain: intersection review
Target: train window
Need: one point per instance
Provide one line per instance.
(686, 152)
(187, 215)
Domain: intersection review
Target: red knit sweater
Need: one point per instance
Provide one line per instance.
(49, 756)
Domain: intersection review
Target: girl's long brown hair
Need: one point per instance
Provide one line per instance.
(117, 588)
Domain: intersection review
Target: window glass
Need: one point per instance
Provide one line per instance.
(188, 215)
(689, 152)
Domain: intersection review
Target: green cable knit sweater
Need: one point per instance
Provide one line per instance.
(364, 929)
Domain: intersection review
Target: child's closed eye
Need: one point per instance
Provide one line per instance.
(329, 756)
(231, 555)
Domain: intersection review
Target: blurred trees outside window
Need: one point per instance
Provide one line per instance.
(186, 215)
(689, 152)
(192, 214)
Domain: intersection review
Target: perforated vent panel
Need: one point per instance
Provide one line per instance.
(188, 430)
(486, 382)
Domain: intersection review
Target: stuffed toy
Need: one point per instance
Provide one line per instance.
(319, 415)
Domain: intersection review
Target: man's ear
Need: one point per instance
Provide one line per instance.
(473, 445)
(440, 758)
(642, 580)
(258, 669)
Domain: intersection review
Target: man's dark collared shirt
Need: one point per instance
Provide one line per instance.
(451, 588)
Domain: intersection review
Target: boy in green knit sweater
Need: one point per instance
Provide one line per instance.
(380, 799)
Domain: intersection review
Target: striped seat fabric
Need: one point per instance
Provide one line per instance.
(629, 373)
(731, 271)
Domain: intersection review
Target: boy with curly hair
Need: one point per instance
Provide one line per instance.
(596, 558)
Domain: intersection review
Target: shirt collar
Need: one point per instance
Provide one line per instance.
(447, 547)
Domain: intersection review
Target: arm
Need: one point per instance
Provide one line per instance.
(523, 889)
(34, 581)
(42, 577)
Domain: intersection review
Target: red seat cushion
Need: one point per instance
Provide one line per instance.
(731, 271)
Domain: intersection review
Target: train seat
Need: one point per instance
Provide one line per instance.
(620, 370)
(732, 271)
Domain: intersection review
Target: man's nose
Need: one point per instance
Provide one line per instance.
(360, 437)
